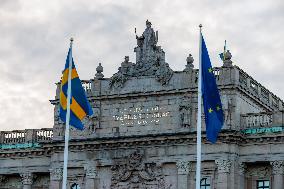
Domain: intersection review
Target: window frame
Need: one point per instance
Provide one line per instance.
(207, 184)
(263, 186)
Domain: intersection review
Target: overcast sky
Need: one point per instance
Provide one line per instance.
(35, 38)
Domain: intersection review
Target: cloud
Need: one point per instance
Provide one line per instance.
(35, 38)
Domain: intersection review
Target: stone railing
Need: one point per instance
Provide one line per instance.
(43, 135)
(87, 85)
(263, 94)
(256, 120)
(259, 123)
(26, 136)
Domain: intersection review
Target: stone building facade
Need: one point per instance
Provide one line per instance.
(143, 132)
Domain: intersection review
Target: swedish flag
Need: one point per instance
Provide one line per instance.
(214, 117)
(79, 104)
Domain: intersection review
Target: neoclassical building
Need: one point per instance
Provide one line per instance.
(143, 132)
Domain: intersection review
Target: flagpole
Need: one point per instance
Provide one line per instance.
(198, 146)
(64, 182)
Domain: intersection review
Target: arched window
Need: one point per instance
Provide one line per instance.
(205, 183)
(75, 186)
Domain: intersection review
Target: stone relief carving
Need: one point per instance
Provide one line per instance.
(150, 61)
(260, 172)
(185, 115)
(184, 167)
(229, 105)
(223, 165)
(134, 173)
(277, 167)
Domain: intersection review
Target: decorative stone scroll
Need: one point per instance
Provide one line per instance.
(150, 61)
(223, 165)
(277, 167)
(56, 174)
(134, 173)
(184, 167)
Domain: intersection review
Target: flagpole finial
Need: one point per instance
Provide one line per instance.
(200, 25)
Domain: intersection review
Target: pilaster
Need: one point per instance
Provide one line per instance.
(277, 171)
(27, 180)
(55, 178)
(183, 168)
(92, 181)
(242, 171)
(224, 166)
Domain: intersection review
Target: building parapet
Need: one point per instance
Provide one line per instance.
(225, 76)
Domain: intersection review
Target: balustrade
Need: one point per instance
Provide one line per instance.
(26, 136)
(256, 120)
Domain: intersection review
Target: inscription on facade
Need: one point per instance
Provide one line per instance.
(141, 115)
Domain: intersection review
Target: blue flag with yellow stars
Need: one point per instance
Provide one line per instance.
(79, 105)
(214, 117)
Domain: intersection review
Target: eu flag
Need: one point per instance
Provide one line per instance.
(79, 105)
(214, 117)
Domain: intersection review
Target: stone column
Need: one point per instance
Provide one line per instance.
(27, 180)
(183, 174)
(55, 178)
(242, 171)
(91, 178)
(224, 166)
(277, 171)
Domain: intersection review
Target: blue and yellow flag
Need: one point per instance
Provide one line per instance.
(79, 105)
(214, 117)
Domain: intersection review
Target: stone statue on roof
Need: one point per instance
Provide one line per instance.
(146, 44)
(150, 61)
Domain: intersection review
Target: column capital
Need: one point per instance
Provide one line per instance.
(223, 165)
(91, 172)
(277, 167)
(27, 178)
(3, 178)
(56, 174)
(183, 167)
(242, 168)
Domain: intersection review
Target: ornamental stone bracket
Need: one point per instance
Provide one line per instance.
(184, 167)
(277, 167)
(91, 172)
(27, 178)
(223, 165)
(56, 174)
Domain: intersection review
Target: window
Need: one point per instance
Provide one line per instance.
(205, 183)
(75, 186)
(263, 184)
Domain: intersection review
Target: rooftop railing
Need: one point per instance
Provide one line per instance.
(26, 136)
